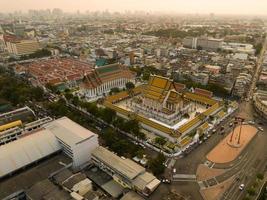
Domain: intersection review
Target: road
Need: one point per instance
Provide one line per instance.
(258, 69)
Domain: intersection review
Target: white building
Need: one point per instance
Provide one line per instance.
(76, 141)
(203, 43)
(103, 79)
(61, 134)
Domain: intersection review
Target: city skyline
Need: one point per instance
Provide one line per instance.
(249, 7)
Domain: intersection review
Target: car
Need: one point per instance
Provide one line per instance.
(241, 187)
(231, 124)
(214, 131)
(260, 128)
(251, 122)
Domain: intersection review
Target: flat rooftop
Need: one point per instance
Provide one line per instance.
(69, 131)
(126, 167)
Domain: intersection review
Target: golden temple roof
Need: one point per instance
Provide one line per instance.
(158, 88)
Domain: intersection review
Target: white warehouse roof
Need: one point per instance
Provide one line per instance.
(69, 131)
(26, 150)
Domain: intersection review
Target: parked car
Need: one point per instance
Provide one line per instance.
(251, 122)
(260, 128)
(241, 187)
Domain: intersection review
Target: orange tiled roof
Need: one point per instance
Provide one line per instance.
(203, 92)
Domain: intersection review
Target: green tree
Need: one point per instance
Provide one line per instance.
(146, 76)
(260, 176)
(160, 141)
(156, 165)
(251, 191)
(114, 90)
(108, 115)
(258, 48)
(129, 86)
(37, 93)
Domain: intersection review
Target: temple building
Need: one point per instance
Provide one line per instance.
(99, 82)
(162, 99)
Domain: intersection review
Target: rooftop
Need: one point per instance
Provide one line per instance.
(69, 131)
(26, 150)
(58, 70)
(126, 167)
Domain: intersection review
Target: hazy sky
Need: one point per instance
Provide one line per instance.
(251, 7)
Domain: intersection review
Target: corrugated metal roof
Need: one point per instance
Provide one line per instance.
(27, 150)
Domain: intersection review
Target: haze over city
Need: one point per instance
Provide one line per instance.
(244, 7)
(133, 99)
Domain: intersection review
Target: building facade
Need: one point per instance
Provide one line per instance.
(76, 141)
(203, 43)
(99, 83)
(22, 47)
(125, 171)
(260, 102)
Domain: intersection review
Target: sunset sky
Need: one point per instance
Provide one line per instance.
(250, 7)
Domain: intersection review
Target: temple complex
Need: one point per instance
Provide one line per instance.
(167, 108)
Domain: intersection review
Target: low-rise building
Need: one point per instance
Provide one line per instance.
(21, 147)
(260, 102)
(125, 171)
(241, 84)
(201, 78)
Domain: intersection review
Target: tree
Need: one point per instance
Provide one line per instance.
(258, 48)
(119, 144)
(251, 191)
(51, 87)
(199, 48)
(119, 123)
(160, 141)
(140, 153)
(146, 76)
(108, 115)
(129, 86)
(260, 176)
(37, 93)
(156, 165)
(76, 100)
(69, 96)
(114, 90)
